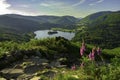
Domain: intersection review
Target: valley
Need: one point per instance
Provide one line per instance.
(82, 49)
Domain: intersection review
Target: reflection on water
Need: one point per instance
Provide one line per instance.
(44, 34)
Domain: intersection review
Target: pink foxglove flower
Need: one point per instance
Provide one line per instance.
(73, 67)
(82, 49)
(83, 46)
(98, 51)
(92, 55)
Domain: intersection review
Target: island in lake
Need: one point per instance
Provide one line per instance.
(52, 32)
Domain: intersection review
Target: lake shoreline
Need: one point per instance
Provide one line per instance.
(44, 34)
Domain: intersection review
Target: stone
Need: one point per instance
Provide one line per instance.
(32, 69)
(35, 78)
(55, 64)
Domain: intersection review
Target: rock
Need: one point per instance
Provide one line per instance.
(25, 57)
(9, 73)
(44, 64)
(17, 54)
(61, 66)
(10, 58)
(3, 63)
(26, 64)
(18, 67)
(35, 78)
(32, 69)
(62, 59)
(49, 74)
(12, 71)
(24, 77)
(55, 64)
(38, 53)
(37, 60)
(3, 57)
(9, 76)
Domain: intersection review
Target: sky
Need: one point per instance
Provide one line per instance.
(77, 8)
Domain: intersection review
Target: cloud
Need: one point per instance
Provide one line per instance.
(56, 5)
(45, 4)
(99, 1)
(59, 3)
(24, 6)
(52, 4)
(80, 2)
(4, 7)
(26, 13)
(91, 4)
(58, 8)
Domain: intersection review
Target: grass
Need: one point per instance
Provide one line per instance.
(51, 46)
(112, 52)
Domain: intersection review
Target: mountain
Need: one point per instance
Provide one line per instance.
(101, 28)
(29, 23)
(48, 19)
(93, 18)
(18, 24)
(12, 24)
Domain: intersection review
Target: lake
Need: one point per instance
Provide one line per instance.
(44, 34)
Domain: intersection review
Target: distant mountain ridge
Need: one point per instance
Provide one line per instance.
(19, 24)
(101, 17)
(47, 19)
(36, 22)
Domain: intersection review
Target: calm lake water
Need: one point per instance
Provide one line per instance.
(44, 34)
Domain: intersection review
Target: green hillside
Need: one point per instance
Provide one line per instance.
(56, 56)
(105, 17)
(48, 19)
(101, 28)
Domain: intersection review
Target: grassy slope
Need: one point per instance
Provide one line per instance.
(101, 29)
(63, 48)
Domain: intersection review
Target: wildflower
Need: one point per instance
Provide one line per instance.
(98, 51)
(82, 49)
(83, 45)
(93, 50)
(91, 56)
(73, 67)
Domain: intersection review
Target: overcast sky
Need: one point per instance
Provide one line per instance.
(77, 8)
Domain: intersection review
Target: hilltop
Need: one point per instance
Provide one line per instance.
(100, 28)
